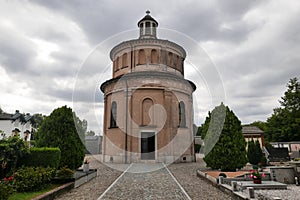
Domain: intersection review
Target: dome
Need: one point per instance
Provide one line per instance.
(146, 18)
(147, 26)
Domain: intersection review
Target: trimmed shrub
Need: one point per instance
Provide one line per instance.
(197, 148)
(32, 178)
(264, 161)
(4, 193)
(42, 157)
(254, 152)
(11, 151)
(6, 188)
(65, 173)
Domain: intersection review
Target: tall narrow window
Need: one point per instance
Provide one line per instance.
(114, 65)
(147, 114)
(113, 115)
(117, 63)
(142, 57)
(170, 59)
(176, 63)
(182, 121)
(154, 56)
(124, 60)
(148, 28)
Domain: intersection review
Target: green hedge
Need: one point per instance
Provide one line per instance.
(32, 178)
(42, 157)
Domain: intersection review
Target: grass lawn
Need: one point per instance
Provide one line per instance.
(30, 195)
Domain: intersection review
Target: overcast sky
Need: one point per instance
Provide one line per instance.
(48, 48)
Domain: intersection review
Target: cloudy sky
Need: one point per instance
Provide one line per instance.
(55, 53)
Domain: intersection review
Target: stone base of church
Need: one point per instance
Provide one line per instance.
(136, 158)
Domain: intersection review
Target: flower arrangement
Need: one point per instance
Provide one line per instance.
(256, 175)
(86, 161)
(6, 187)
(8, 179)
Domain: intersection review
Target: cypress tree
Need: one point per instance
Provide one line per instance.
(229, 152)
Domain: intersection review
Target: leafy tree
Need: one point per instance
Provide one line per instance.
(261, 125)
(254, 152)
(284, 124)
(37, 120)
(59, 130)
(1, 111)
(199, 131)
(229, 153)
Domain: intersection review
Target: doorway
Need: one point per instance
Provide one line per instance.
(147, 145)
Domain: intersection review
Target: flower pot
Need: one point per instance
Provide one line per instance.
(257, 181)
(86, 167)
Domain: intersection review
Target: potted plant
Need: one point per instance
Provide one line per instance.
(86, 166)
(256, 176)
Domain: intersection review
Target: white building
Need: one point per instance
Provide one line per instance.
(16, 123)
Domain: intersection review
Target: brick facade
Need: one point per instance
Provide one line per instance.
(148, 112)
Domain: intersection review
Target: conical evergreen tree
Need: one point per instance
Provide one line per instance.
(229, 152)
(59, 130)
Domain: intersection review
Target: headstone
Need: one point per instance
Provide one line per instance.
(283, 174)
(251, 192)
(221, 179)
(234, 186)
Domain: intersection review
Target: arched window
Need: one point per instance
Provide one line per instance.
(170, 59)
(147, 115)
(124, 60)
(154, 56)
(182, 121)
(142, 57)
(113, 115)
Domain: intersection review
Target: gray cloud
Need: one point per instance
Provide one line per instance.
(15, 52)
(254, 44)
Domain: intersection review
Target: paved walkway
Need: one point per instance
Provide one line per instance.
(146, 181)
(159, 183)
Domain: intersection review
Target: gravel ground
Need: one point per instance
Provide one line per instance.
(94, 188)
(157, 184)
(196, 187)
(292, 193)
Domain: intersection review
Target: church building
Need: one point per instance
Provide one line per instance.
(148, 104)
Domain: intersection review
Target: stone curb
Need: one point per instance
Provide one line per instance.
(86, 178)
(50, 195)
(55, 192)
(222, 187)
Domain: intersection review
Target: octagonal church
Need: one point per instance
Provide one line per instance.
(148, 104)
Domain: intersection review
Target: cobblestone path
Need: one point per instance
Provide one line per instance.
(153, 181)
(145, 181)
